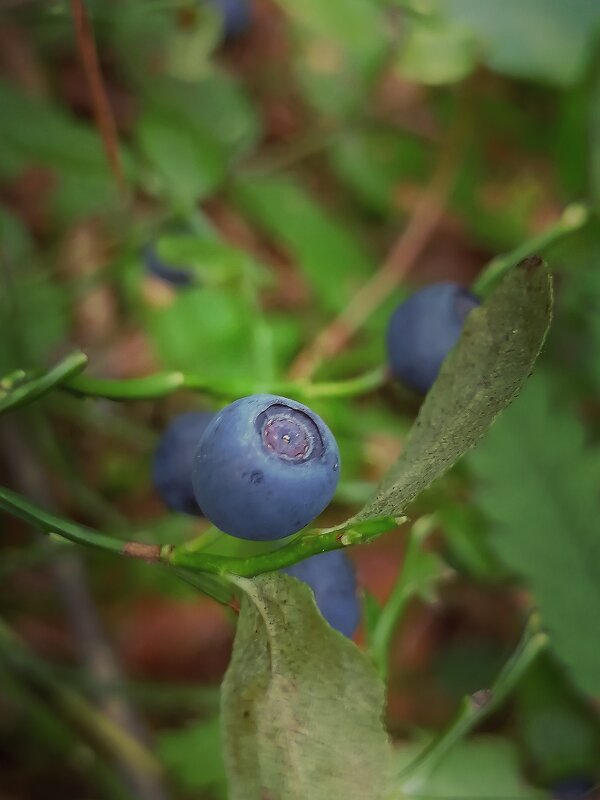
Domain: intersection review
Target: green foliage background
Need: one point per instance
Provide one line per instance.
(281, 169)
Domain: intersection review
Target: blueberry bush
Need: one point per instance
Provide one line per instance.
(299, 399)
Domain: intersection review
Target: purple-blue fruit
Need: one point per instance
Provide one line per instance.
(157, 267)
(574, 788)
(331, 577)
(265, 467)
(174, 460)
(423, 330)
(236, 17)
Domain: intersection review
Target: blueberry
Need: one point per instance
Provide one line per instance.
(174, 460)
(332, 579)
(424, 329)
(574, 788)
(235, 15)
(172, 274)
(265, 467)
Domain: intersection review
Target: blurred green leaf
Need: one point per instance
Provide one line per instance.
(500, 343)
(374, 162)
(435, 52)
(544, 40)
(466, 534)
(538, 484)
(190, 133)
(190, 163)
(193, 755)
(204, 330)
(559, 732)
(37, 133)
(485, 768)
(342, 44)
(33, 309)
(332, 259)
(301, 705)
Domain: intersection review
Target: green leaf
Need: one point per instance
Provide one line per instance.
(496, 352)
(538, 484)
(485, 768)
(301, 705)
(190, 163)
(545, 40)
(437, 52)
(342, 43)
(190, 133)
(14, 395)
(193, 754)
(373, 162)
(36, 132)
(331, 258)
(33, 309)
(558, 730)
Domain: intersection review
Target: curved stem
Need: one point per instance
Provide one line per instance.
(406, 586)
(307, 543)
(573, 218)
(165, 383)
(474, 709)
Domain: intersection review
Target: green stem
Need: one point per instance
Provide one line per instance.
(165, 383)
(404, 589)
(573, 218)
(16, 505)
(15, 396)
(147, 388)
(473, 710)
(307, 543)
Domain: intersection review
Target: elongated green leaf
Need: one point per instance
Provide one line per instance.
(498, 347)
(332, 258)
(301, 705)
(539, 486)
(13, 395)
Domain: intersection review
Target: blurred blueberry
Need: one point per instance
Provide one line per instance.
(574, 788)
(266, 466)
(169, 273)
(423, 330)
(331, 577)
(236, 16)
(174, 461)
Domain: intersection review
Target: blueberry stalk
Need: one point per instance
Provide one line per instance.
(573, 218)
(404, 589)
(475, 708)
(187, 556)
(162, 384)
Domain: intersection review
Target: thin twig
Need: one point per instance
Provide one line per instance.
(102, 110)
(407, 248)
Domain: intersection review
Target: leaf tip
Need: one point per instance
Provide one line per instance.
(531, 263)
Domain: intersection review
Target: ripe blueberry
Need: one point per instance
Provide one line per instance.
(235, 15)
(575, 788)
(157, 267)
(174, 460)
(331, 577)
(423, 330)
(265, 467)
